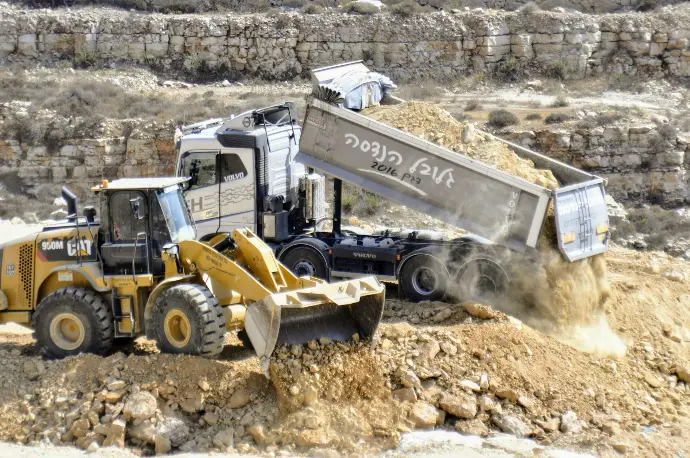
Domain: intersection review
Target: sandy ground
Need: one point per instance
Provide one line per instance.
(431, 444)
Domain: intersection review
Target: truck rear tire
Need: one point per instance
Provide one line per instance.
(188, 320)
(307, 261)
(72, 321)
(423, 278)
(481, 280)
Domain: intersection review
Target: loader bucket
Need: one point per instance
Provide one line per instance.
(336, 311)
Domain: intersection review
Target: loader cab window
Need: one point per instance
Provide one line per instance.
(122, 253)
(201, 166)
(124, 227)
(177, 219)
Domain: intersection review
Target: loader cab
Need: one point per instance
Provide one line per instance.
(138, 218)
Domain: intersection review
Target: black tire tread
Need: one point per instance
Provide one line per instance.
(319, 263)
(92, 302)
(207, 309)
(405, 283)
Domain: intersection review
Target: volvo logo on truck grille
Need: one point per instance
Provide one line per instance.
(364, 255)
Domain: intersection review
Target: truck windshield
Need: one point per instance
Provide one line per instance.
(176, 214)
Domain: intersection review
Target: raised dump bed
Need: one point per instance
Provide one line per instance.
(452, 187)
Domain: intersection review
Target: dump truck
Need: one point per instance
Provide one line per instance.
(139, 270)
(258, 169)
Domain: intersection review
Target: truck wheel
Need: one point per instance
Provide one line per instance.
(305, 261)
(187, 319)
(481, 280)
(71, 321)
(423, 278)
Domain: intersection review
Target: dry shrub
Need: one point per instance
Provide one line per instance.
(407, 8)
(360, 202)
(502, 118)
(472, 105)
(560, 101)
(313, 8)
(556, 118)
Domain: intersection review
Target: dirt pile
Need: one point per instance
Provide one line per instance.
(436, 125)
(337, 394)
(499, 374)
(155, 402)
(551, 293)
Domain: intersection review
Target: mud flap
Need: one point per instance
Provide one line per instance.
(335, 311)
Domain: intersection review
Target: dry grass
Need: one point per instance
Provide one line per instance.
(89, 101)
(359, 202)
(657, 224)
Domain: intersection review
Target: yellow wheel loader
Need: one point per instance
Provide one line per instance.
(138, 270)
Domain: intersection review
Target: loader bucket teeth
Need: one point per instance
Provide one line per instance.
(336, 311)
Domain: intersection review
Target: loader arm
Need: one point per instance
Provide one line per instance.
(199, 257)
(282, 308)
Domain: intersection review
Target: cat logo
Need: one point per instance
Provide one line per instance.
(67, 248)
(75, 249)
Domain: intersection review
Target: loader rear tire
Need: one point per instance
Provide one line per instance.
(72, 321)
(187, 319)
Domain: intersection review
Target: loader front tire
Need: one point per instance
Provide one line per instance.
(187, 319)
(72, 321)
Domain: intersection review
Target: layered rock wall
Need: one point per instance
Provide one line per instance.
(198, 6)
(639, 162)
(422, 46)
(82, 162)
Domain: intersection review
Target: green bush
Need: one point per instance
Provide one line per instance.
(556, 70)
(533, 117)
(511, 70)
(359, 202)
(501, 118)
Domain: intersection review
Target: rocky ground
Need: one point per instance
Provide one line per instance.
(438, 366)
(619, 386)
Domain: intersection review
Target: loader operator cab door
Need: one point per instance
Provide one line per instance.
(125, 228)
(138, 224)
(221, 191)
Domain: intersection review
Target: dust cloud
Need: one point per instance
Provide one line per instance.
(563, 299)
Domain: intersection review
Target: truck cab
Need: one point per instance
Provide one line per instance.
(234, 165)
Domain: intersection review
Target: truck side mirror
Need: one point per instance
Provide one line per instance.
(135, 205)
